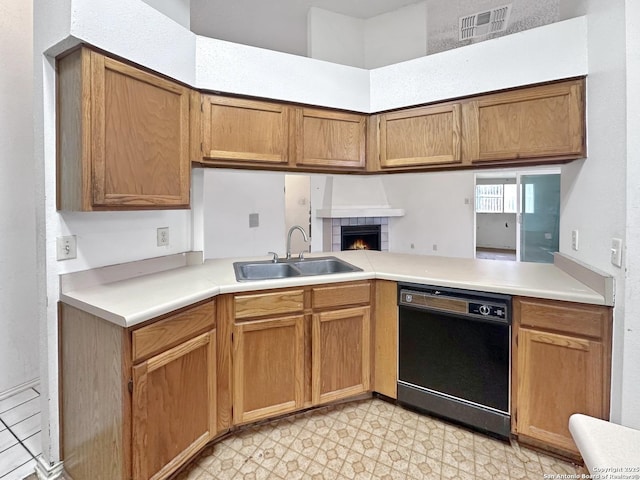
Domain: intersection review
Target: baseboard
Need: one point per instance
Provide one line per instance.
(44, 471)
(19, 388)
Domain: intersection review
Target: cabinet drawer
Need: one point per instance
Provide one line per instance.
(341, 295)
(163, 334)
(263, 304)
(577, 319)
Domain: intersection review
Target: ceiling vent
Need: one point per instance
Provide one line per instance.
(484, 23)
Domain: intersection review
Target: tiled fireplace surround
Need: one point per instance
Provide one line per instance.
(333, 225)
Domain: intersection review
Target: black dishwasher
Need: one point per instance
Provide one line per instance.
(454, 355)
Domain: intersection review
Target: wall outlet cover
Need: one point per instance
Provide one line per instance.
(254, 220)
(163, 236)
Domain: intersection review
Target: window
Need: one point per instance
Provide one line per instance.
(496, 198)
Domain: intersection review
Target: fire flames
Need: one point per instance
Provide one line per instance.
(359, 244)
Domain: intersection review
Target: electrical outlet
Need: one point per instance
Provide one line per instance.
(574, 239)
(66, 248)
(435, 247)
(254, 220)
(163, 236)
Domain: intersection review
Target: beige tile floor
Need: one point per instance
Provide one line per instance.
(369, 439)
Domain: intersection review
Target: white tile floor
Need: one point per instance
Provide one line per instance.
(19, 434)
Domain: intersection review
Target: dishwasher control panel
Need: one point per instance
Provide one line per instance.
(493, 307)
(488, 310)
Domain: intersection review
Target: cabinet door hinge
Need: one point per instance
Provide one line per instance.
(130, 385)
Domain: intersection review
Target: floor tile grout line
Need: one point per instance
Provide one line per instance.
(19, 466)
(18, 404)
(24, 419)
(14, 436)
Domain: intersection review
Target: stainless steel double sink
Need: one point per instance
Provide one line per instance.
(268, 269)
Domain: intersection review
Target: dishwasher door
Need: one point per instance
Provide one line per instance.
(456, 364)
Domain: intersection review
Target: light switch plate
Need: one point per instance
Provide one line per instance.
(574, 239)
(66, 248)
(616, 252)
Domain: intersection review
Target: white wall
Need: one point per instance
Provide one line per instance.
(335, 37)
(234, 68)
(229, 196)
(297, 198)
(593, 199)
(532, 56)
(396, 36)
(178, 10)
(630, 381)
(496, 230)
(18, 298)
(105, 238)
(435, 213)
(368, 43)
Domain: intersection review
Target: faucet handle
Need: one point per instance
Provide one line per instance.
(275, 256)
(301, 255)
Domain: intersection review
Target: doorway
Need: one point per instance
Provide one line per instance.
(297, 201)
(518, 215)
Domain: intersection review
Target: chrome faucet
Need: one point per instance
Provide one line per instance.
(291, 230)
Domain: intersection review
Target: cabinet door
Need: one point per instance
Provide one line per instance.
(245, 131)
(558, 375)
(420, 137)
(174, 400)
(139, 137)
(536, 122)
(340, 354)
(326, 138)
(268, 368)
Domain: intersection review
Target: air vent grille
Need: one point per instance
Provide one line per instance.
(484, 23)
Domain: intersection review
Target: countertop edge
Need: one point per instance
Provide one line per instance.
(211, 286)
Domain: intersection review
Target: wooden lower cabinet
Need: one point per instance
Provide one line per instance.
(136, 403)
(174, 413)
(385, 327)
(562, 366)
(295, 348)
(340, 354)
(268, 368)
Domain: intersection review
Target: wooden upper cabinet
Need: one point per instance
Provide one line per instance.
(329, 139)
(562, 366)
(244, 131)
(422, 136)
(123, 136)
(542, 122)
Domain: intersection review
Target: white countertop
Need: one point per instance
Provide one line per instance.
(135, 300)
(608, 449)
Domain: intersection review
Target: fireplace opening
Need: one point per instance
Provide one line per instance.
(360, 237)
